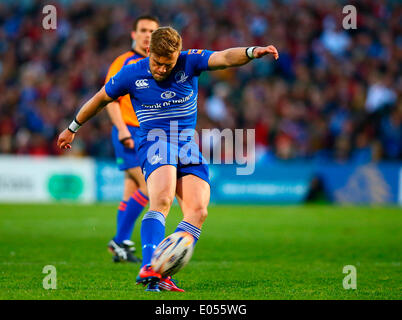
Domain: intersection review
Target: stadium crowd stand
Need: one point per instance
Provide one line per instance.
(334, 94)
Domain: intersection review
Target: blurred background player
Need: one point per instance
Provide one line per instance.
(125, 124)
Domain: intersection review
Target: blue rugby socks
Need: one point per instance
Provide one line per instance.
(121, 211)
(188, 227)
(127, 215)
(152, 233)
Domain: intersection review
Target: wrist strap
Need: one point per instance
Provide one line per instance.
(249, 52)
(74, 126)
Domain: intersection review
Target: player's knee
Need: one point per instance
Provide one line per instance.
(201, 214)
(164, 202)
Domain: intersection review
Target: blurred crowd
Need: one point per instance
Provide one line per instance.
(334, 94)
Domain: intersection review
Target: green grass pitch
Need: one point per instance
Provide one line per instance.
(245, 252)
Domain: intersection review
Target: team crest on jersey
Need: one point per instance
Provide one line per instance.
(180, 77)
(194, 51)
(168, 94)
(142, 84)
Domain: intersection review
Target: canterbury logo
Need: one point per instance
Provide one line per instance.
(142, 83)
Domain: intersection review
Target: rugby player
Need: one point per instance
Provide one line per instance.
(125, 125)
(163, 90)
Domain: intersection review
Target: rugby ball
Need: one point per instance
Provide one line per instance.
(173, 253)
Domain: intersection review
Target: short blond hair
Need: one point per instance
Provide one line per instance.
(165, 41)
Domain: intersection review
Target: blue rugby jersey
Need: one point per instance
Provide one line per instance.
(157, 103)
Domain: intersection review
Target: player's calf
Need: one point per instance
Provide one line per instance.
(197, 216)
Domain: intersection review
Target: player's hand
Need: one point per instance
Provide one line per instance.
(126, 139)
(262, 51)
(65, 138)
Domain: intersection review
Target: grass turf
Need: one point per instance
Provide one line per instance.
(245, 252)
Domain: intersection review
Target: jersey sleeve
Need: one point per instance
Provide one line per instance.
(198, 59)
(118, 85)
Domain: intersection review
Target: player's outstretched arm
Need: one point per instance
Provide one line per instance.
(235, 57)
(88, 110)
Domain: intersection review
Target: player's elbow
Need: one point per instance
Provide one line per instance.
(225, 62)
(102, 98)
(219, 60)
(222, 66)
